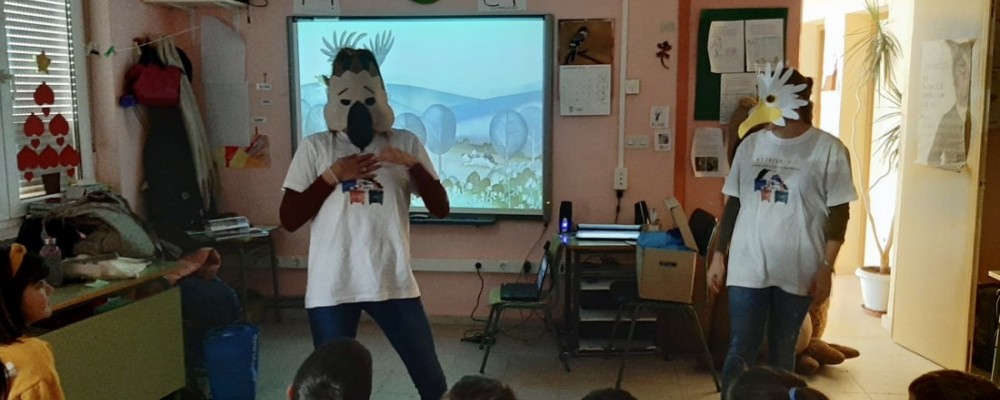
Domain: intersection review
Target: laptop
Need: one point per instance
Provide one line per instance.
(524, 291)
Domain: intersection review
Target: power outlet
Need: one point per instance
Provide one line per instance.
(621, 178)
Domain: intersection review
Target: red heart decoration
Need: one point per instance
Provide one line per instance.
(60, 141)
(26, 159)
(48, 158)
(28, 175)
(69, 157)
(33, 126)
(46, 110)
(35, 143)
(71, 172)
(44, 95)
(58, 125)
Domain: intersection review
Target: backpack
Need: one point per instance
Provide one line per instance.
(104, 224)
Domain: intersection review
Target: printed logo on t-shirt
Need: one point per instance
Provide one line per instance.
(771, 187)
(363, 191)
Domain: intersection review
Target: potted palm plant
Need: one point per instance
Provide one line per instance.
(878, 51)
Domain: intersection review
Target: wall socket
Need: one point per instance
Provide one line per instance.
(637, 142)
(621, 178)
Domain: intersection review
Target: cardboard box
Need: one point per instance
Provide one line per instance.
(668, 275)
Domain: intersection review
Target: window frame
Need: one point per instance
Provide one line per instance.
(12, 207)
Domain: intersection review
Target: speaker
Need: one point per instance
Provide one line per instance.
(566, 217)
(641, 213)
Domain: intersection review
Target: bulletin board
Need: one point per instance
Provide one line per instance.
(707, 83)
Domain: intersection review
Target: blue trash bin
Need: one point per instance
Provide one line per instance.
(231, 354)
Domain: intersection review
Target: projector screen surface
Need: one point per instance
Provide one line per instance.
(475, 90)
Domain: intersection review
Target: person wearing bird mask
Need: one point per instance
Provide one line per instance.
(783, 224)
(354, 183)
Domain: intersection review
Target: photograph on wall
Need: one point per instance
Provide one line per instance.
(586, 41)
(945, 118)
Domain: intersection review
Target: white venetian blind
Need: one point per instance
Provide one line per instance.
(31, 27)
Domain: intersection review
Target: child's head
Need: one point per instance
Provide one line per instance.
(609, 394)
(24, 294)
(338, 370)
(766, 383)
(478, 387)
(952, 385)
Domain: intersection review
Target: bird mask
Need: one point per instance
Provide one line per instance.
(356, 99)
(777, 99)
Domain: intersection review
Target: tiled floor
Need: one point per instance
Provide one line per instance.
(532, 369)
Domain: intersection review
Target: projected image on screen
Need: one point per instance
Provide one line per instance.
(472, 90)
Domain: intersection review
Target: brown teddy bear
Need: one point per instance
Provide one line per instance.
(812, 351)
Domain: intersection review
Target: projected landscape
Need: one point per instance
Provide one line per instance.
(477, 109)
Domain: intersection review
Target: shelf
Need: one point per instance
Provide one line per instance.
(598, 315)
(600, 346)
(189, 4)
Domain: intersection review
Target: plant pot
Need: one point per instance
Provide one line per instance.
(874, 288)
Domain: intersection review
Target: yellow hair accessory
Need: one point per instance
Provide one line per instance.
(17, 252)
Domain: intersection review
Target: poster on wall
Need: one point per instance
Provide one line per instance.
(945, 118)
(725, 46)
(586, 41)
(708, 153)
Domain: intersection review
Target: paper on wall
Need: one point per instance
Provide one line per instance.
(945, 123)
(659, 117)
(765, 42)
(227, 97)
(708, 153)
(664, 139)
(725, 46)
(585, 89)
(734, 88)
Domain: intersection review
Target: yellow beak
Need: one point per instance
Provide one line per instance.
(763, 114)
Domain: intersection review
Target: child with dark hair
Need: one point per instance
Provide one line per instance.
(24, 300)
(952, 385)
(479, 387)
(609, 394)
(341, 369)
(766, 383)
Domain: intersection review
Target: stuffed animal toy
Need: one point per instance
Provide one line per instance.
(813, 353)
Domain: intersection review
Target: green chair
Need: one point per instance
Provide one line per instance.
(547, 299)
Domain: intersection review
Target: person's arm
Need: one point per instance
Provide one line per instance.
(431, 190)
(727, 224)
(836, 230)
(298, 208)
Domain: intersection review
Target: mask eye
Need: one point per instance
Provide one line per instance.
(370, 101)
(345, 102)
(770, 98)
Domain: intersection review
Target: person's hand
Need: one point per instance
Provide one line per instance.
(716, 274)
(355, 166)
(392, 155)
(820, 289)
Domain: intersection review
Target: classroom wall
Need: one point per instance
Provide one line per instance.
(584, 152)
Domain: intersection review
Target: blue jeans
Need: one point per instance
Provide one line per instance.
(751, 313)
(404, 323)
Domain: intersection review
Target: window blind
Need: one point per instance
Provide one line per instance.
(34, 26)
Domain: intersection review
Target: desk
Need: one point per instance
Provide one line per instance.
(589, 312)
(250, 248)
(135, 351)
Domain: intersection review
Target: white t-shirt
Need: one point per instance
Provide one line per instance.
(785, 187)
(359, 241)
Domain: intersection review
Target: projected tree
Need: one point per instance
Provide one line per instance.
(440, 124)
(508, 134)
(411, 122)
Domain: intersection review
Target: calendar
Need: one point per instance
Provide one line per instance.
(585, 90)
